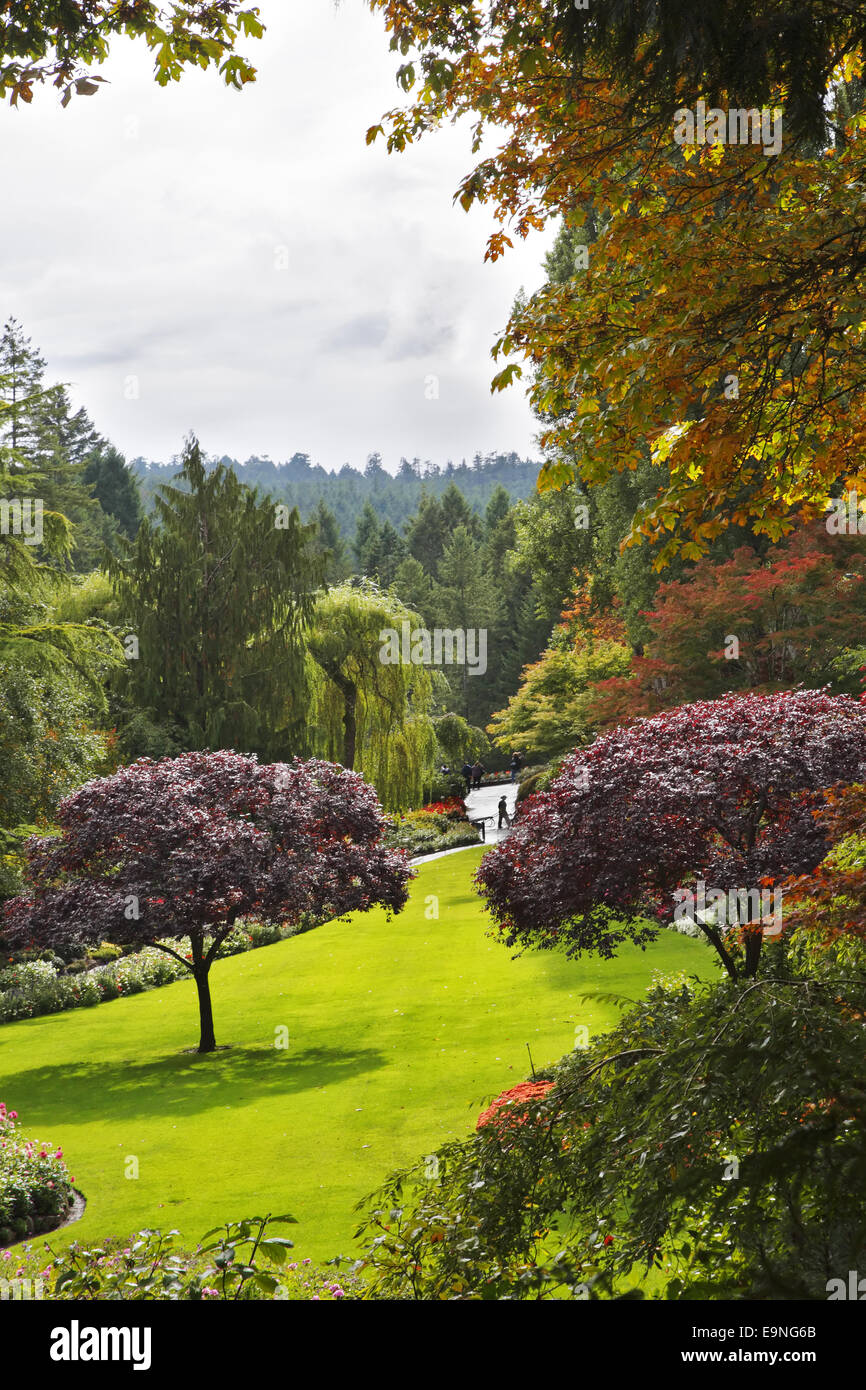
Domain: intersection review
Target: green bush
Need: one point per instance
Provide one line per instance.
(427, 832)
(240, 1261)
(33, 987)
(105, 951)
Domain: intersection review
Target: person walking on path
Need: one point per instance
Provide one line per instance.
(477, 773)
(504, 818)
(516, 760)
(466, 770)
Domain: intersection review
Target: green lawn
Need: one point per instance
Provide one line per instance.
(398, 1034)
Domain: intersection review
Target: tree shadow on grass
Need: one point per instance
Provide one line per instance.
(187, 1084)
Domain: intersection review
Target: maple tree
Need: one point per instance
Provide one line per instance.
(831, 900)
(720, 791)
(717, 328)
(178, 850)
(60, 41)
(753, 622)
(550, 712)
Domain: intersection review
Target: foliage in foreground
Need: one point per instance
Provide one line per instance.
(715, 1137)
(63, 43)
(238, 1261)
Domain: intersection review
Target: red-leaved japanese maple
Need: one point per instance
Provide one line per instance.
(721, 791)
(184, 847)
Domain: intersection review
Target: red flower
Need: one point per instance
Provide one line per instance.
(527, 1090)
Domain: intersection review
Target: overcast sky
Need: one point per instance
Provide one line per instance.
(250, 267)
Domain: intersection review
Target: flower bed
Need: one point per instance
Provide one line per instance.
(35, 1187)
(441, 825)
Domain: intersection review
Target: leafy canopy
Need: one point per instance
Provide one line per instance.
(720, 790)
(717, 328)
(183, 847)
(61, 41)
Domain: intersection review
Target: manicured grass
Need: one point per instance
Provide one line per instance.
(399, 1033)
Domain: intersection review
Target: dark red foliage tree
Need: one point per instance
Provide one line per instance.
(720, 791)
(185, 846)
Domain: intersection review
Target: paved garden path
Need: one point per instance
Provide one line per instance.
(483, 802)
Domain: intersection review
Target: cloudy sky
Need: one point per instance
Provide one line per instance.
(240, 264)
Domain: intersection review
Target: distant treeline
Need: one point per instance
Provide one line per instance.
(395, 497)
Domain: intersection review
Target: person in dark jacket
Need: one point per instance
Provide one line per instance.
(516, 760)
(504, 818)
(466, 771)
(477, 773)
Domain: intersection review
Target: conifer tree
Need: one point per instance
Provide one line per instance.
(217, 591)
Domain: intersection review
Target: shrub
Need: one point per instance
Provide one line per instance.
(105, 951)
(427, 832)
(240, 1261)
(35, 1187)
(35, 986)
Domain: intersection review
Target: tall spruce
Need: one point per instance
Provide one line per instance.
(218, 591)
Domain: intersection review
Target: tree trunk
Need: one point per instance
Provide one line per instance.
(350, 725)
(754, 942)
(207, 1041)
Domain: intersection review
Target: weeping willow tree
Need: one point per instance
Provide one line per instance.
(217, 592)
(371, 716)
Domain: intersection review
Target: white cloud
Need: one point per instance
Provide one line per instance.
(275, 284)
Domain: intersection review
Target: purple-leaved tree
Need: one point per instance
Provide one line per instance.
(721, 791)
(185, 846)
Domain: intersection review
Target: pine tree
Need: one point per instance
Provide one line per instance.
(62, 445)
(22, 372)
(115, 488)
(217, 591)
(426, 533)
(465, 598)
(330, 543)
(456, 511)
(366, 543)
(414, 587)
(391, 554)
